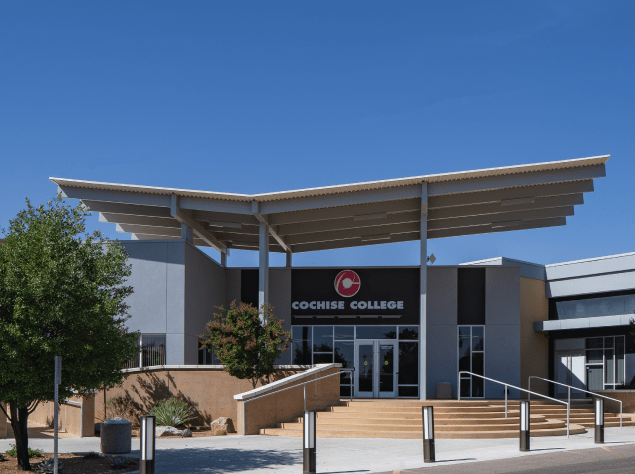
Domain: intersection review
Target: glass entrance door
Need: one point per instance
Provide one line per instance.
(375, 374)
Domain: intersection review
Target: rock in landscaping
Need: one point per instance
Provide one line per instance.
(116, 436)
(223, 424)
(164, 431)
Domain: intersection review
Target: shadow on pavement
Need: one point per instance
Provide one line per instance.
(207, 460)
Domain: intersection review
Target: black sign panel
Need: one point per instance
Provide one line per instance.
(373, 296)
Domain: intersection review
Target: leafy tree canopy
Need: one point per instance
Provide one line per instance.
(61, 293)
(247, 341)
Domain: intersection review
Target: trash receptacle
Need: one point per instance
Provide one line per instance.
(116, 436)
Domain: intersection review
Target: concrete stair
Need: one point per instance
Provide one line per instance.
(467, 419)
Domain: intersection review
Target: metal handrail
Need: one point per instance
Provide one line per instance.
(569, 387)
(512, 386)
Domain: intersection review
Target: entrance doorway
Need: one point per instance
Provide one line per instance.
(375, 373)
(570, 371)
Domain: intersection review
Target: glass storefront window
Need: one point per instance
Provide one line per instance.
(302, 343)
(327, 344)
(376, 332)
(408, 333)
(471, 342)
(344, 333)
(322, 338)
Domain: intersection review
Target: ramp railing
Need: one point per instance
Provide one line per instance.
(569, 387)
(464, 372)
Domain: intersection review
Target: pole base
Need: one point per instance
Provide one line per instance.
(525, 441)
(429, 454)
(309, 461)
(599, 434)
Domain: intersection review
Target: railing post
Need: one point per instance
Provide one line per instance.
(505, 400)
(458, 385)
(568, 409)
(427, 415)
(599, 420)
(525, 421)
(620, 414)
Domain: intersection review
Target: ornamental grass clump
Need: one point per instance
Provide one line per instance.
(172, 412)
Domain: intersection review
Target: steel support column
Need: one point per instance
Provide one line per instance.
(423, 289)
(263, 267)
(289, 257)
(186, 233)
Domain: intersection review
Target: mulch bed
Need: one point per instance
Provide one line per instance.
(73, 464)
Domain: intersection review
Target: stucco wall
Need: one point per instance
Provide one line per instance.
(204, 292)
(78, 421)
(157, 305)
(442, 332)
(285, 405)
(208, 389)
(502, 328)
(534, 347)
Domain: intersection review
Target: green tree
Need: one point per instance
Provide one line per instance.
(246, 341)
(61, 293)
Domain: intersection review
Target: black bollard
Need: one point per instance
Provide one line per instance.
(309, 462)
(146, 452)
(427, 413)
(524, 425)
(599, 420)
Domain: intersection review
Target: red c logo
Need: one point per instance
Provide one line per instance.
(347, 283)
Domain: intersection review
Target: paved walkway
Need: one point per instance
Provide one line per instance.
(264, 454)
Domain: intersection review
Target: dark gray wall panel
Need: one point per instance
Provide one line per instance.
(280, 299)
(442, 295)
(502, 358)
(232, 286)
(502, 295)
(442, 357)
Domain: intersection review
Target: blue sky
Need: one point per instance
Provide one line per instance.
(266, 96)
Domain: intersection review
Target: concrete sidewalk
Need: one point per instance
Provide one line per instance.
(263, 454)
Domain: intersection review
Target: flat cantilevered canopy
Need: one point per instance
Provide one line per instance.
(351, 215)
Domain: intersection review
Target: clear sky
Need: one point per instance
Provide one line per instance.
(260, 96)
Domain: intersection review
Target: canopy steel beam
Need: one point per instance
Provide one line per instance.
(127, 209)
(488, 229)
(197, 228)
(138, 220)
(498, 207)
(343, 212)
(462, 222)
(539, 190)
(348, 223)
(255, 210)
(517, 180)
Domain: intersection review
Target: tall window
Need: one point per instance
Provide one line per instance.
(472, 359)
(605, 362)
(151, 351)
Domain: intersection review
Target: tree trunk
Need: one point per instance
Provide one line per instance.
(19, 417)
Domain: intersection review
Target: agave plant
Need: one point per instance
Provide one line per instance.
(119, 462)
(172, 412)
(47, 466)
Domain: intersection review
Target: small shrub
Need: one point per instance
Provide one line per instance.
(172, 412)
(33, 453)
(47, 466)
(92, 455)
(119, 462)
